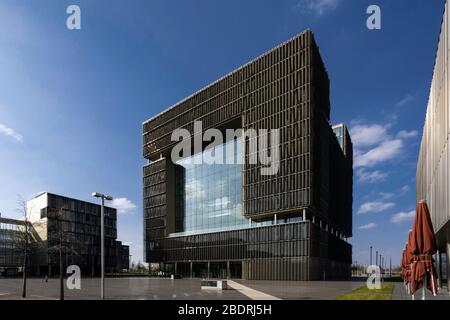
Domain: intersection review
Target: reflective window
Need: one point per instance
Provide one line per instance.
(209, 196)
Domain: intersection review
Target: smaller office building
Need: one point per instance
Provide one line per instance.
(12, 246)
(77, 223)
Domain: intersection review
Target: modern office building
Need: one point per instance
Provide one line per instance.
(78, 224)
(12, 246)
(433, 167)
(231, 220)
(123, 257)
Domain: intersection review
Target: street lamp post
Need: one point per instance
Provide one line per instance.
(102, 240)
(370, 255)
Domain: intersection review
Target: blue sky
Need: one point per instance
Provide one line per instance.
(72, 102)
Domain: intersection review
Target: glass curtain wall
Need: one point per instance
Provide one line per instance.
(209, 196)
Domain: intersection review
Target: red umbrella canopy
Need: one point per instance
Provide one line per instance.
(423, 239)
(408, 247)
(408, 257)
(404, 265)
(422, 246)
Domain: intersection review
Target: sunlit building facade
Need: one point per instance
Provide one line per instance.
(230, 220)
(433, 167)
(77, 224)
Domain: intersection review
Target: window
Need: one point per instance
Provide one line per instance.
(209, 196)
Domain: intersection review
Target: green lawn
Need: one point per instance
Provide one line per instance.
(364, 293)
(354, 296)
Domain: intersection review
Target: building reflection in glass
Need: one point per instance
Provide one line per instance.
(209, 196)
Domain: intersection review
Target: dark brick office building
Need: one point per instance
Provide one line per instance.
(229, 220)
(80, 222)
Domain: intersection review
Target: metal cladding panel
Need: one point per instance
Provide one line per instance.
(433, 174)
(286, 88)
(279, 90)
(155, 207)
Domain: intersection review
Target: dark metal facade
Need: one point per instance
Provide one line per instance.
(12, 244)
(80, 223)
(288, 89)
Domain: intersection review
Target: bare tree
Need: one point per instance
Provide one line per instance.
(25, 211)
(63, 242)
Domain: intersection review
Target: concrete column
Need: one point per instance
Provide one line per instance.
(176, 268)
(313, 218)
(275, 218)
(208, 275)
(228, 270)
(304, 214)
(191, 269)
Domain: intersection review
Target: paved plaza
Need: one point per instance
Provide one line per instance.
(189, 289)
(400, 293)
(184, 289)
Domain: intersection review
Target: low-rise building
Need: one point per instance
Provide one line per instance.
(56, 222)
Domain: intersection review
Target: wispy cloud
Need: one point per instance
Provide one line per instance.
(365, 135)
(403, 216)
(386, 195)
(407, 134)
(387, 150)
(10, 133)
(366, 176)
(375, 207)
(405, 189)
(405, 100)
(123, 205)
(374, 143)
(368, 226)
(318, 7)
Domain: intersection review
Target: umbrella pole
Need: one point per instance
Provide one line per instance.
(432, 284)
(423, 287)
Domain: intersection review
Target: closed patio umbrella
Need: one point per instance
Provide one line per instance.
(422, 247)
(403, 273)
(404, 265)
(408, 258)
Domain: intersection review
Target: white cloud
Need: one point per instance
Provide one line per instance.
(405, 189)
(371, 176)
(386, 195)
(407, 134)
(123, 205)
(11, 133)
(368, 226)
(367, 135)
(387, 150)
(403, 216)
(375, 207)
(319, 7)
(405, 100)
